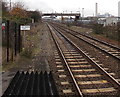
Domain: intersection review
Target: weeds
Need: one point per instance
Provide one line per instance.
(27, 52)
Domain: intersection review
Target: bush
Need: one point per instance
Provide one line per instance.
(27, 52)
(98, 28)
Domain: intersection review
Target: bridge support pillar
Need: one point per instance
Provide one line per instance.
(62, 18)
(77, 18)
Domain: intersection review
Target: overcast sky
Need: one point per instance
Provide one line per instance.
(110, 6)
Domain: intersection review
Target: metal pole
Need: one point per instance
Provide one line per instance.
(15, 48)
(24, 39)
(19, 39)
(7, 30)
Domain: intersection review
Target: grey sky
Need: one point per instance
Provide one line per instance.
(104, 6)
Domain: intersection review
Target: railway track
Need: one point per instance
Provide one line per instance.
(88, 77)
(109, 49)
(115, 72)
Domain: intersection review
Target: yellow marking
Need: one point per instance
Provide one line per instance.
(75, 59)
(80, 65)
(100, 64)
(68, 54)
(106, 68)
(90, 75)
(107, 89)
(86, 70)
(57, 59)
(75, 54)
(59, 65)
(62, 76)
(93, 58)
(67, 91)
(112, 74)
(84, 62)
(96, 61)
(90, 90)
(94, 75)
(60, 70)
(93, 82)
(98, 90)
(64, 83)
(118, 79)
(72, 50)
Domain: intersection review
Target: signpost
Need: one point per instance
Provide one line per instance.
(24, 28)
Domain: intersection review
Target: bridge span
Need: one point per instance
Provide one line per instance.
(61, 14)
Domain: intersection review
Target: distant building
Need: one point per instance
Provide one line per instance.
(109, 21)
(101, 21)
(119, 9)
(105, 15)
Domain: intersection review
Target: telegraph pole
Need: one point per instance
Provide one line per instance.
(10, 4)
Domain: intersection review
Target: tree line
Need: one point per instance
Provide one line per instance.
(19, 13)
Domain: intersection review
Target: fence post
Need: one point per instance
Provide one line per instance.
(15, 47)
(19, 39)
(7, 30)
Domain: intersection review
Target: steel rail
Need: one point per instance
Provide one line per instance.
(64, 60)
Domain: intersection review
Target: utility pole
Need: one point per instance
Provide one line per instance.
(10, 5)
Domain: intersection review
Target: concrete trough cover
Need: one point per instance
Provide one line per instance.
(30, 84)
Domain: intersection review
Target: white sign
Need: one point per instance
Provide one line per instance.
(25, 27)
(3, 24)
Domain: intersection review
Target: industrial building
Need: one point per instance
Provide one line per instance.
(119, 9)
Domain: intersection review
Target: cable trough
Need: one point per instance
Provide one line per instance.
(31, 84)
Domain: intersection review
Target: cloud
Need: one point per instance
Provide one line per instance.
(73, 5)
(39, 5)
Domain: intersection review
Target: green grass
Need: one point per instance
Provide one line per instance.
(7, 66)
